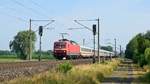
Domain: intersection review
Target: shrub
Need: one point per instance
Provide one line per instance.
(65, 67)
(99, 76)
(142, 60)
(147, 55)
(145, 78)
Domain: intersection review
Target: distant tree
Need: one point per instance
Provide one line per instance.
(20, 44)
(108, 48)
(147, 55)
(6, 52)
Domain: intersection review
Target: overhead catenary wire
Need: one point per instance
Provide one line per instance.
(35, 3)
(16, 17)
(21, 19)
(28, 8)
(13, 16)
(39, 6)
(31, 9)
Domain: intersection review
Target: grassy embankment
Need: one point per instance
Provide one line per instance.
(81, 74)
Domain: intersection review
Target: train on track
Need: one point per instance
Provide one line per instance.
(68, 49)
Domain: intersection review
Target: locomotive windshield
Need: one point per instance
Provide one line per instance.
(60, 45)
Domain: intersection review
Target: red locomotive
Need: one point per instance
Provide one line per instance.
(66, 49)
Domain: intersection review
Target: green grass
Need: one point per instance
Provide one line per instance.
(81, 74)
(8, 57)
(44, 56)
(13, 58)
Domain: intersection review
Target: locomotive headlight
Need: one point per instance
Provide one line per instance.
(64, 51)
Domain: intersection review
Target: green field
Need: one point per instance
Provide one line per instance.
(14, 58)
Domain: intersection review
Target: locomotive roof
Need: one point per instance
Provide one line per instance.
(71, 41)
(63, 40)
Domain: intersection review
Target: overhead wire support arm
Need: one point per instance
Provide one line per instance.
(43, 20)
(49, 23)
(75, 28)
(76, 21)
(88, 20)
(83, 25)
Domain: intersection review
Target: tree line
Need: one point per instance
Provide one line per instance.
(6, 52)
(108, 48)
(138, 49)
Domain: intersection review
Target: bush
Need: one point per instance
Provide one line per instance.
(147, 55)
(65, 67)
(145, 78)
(142, 60)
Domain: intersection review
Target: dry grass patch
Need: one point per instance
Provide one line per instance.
(81, 74)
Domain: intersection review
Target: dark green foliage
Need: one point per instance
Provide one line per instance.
(135, 49)
(132, 48)
(99, 76)
(45, 55)
(143, 43)
(6, 52)
(136, 58)
(65, 67)
(108, 48)
(11, 55)
(147, 35)
(147, 55)
(146, 78)
(20, 44)
(8, 57)
(142, 60)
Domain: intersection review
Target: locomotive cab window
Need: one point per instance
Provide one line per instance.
(60, 45)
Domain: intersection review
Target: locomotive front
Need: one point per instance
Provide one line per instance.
(66, 49)
(60, 51)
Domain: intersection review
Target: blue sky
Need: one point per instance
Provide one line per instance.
(121, 19)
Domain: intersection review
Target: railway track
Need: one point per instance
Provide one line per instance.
(13, 70)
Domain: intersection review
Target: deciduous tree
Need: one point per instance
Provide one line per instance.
(20, 44)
